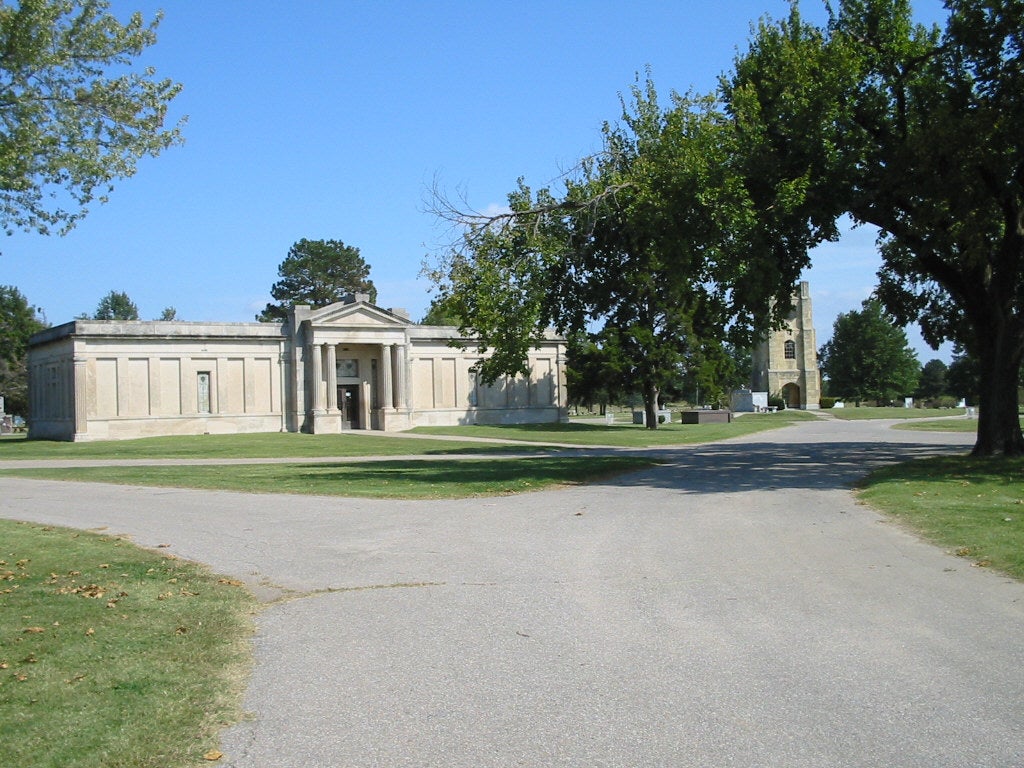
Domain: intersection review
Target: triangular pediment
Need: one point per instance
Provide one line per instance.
(360, 313)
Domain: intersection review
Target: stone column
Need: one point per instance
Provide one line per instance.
(332, 377)
(317, 359)
(387, 391)
(400, 376)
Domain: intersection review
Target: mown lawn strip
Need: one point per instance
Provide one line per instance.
(271, 445)
(851, 413)
(625, 435)
(112, 656)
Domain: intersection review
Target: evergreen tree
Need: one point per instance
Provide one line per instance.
(116, 306)
(933, 380)
(317, 273)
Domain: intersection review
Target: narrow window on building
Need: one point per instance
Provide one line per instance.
(203, 391)
(791, 350)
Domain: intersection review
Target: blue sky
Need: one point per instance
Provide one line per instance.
(332, 120)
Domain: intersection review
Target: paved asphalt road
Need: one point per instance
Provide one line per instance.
(736, 607)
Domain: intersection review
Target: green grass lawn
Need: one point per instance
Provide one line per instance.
(385, 479)
(112, 656)
(292, 445)
(254, 446)
(625, 435)
(415, 479)
(850, 413)
(971, 507)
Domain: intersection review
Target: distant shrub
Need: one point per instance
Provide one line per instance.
(776, 401)
(945, 401)
(826, 402)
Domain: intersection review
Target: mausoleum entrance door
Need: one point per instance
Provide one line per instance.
(791, 395)
(348, 402)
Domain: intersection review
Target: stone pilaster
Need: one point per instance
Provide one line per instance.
(80, 397)
(317, 361)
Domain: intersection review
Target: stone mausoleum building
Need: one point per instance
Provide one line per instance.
(786, 364)
(347, 366)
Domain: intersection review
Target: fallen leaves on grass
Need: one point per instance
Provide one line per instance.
(94, 591)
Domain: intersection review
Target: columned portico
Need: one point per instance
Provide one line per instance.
(323, 378)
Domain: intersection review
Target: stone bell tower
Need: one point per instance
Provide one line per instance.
(786, 363)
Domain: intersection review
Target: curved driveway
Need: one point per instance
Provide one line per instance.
(735, 607)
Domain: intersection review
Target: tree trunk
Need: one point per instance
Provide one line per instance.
(998, 420)
(651, 404)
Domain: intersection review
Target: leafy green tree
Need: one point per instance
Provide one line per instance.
(587, 380)
(77, 113)
(18, 321)
(116, 306)
(14, 386)
(716, 370)
(933, 380)
(917, 131)
(318, 273)
(650, 242)
(868, 357)
(963, 379)
(440, 313)
(169, 313)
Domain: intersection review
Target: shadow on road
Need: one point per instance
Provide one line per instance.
(723, 468)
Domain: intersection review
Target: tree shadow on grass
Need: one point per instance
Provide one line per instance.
(473, 476)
